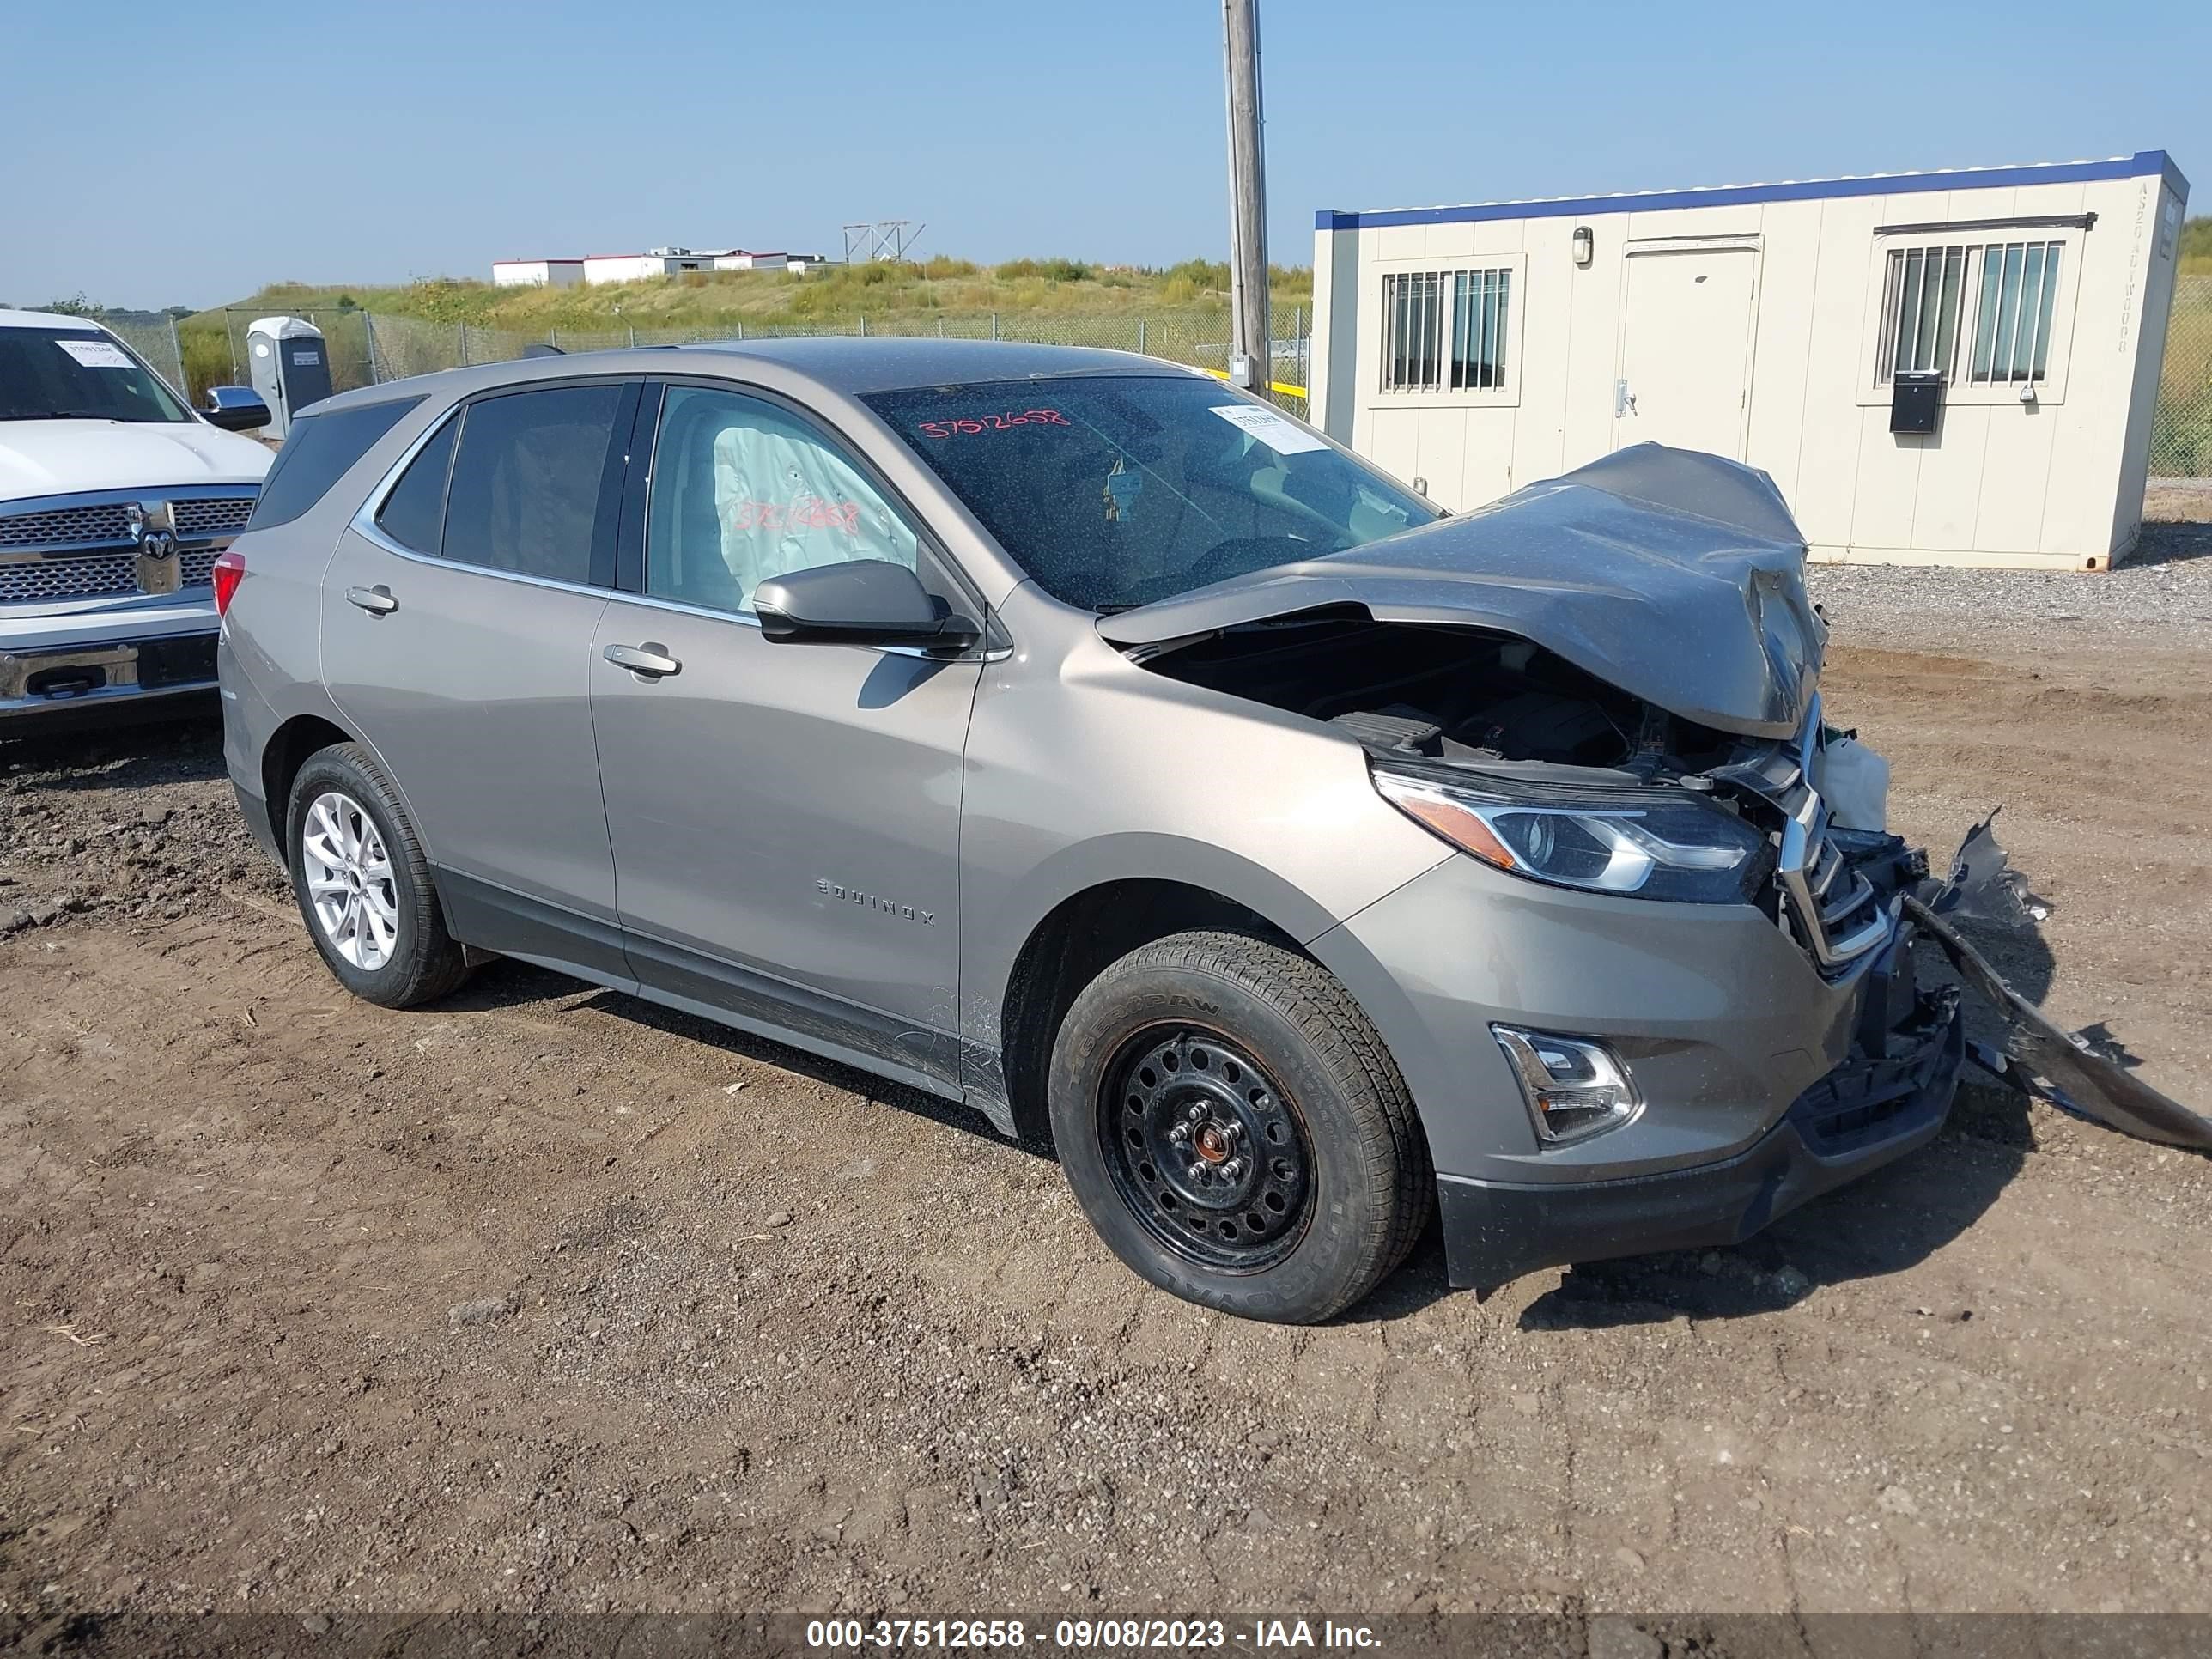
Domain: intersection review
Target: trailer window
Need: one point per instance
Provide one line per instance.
(2001, 297)
(1446, 331)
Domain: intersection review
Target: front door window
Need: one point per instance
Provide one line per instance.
(743, 492)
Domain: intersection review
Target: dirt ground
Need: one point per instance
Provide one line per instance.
(545, 1299)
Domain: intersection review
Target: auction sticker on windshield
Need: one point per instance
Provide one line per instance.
(1278, 431)
(97, 354)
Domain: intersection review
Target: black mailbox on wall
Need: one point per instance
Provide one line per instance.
(1915, 400)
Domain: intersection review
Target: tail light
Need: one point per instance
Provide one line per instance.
(229, 571)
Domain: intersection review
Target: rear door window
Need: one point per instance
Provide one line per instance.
(319, 450)
(532, 480)
(414, 513)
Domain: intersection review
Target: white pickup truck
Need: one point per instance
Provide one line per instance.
(115, 498)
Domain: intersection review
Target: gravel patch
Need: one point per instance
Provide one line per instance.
(2167, 583)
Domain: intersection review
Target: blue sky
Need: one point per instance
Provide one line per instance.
(188, 154)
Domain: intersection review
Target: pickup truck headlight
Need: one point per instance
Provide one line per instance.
(1657, 844)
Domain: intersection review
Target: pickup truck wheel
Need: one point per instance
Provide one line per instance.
(363, 884)
(1233, 1127)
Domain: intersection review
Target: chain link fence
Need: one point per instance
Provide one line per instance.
(365, 347)
(2181, 428)
(157, 344)
(221, 360)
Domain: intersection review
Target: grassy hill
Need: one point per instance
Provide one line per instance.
(2196, 247)
(705, 299)
(891, 290)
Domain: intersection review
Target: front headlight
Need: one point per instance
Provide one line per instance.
(1648, 845)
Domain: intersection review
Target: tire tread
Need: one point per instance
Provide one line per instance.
(1397, 1174)
(435, 964)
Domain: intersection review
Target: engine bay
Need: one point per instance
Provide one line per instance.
(1457, 696)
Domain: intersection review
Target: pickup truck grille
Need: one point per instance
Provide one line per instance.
(63, 548)
(86, 576)
(95, 576)
(107, 524)
(64, 524)
(221, 516)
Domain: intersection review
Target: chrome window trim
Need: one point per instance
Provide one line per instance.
(370, 533)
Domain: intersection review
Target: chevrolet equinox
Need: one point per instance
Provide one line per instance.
(1065, 733)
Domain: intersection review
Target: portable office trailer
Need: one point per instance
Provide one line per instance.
(1935, 368)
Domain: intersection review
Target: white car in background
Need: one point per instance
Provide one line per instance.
(115, 498)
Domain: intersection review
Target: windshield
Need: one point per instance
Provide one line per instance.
(78, 373)
(1116, 490)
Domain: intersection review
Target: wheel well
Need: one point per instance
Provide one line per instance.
(288, 751)
(1072, 946)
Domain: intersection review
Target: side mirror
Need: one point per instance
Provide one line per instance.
(236, 409)
(861, 602)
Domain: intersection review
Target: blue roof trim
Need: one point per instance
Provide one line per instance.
(2142, 164)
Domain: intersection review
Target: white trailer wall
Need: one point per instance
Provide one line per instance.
(537, 273)
(1751, 321)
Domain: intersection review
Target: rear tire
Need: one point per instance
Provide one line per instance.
(1236, 1130)
(363, 886)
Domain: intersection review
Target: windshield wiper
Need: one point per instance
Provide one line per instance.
(63, 415)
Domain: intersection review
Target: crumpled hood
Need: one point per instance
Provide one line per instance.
(60, 457)
(1677, 576)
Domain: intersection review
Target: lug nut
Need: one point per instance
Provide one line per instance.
(1234, 1168)
(1198, 1173)
(1233, 1129)
(1179, 1133)
(1196, 1115)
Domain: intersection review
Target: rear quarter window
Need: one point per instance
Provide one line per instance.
(318, 452)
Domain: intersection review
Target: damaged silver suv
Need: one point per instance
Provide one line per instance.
(1064, 734)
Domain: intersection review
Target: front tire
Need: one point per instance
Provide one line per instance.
(362, 884)
(1233, 1127)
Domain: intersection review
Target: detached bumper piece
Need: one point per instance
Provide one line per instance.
(1876, 1107)
(36, 683)
(2042, 1058)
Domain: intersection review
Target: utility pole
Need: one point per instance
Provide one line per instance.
(1251, 361)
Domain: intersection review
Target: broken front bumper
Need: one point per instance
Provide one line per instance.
(1890, 1097)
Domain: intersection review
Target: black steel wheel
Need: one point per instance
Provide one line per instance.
(1235, 1128)
(1206, 1148)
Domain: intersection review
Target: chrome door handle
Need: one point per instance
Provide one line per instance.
(649, 661)
(377, 600)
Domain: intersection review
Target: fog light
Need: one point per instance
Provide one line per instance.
(1574, 1087)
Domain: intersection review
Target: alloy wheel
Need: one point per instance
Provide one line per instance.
(350, 880)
